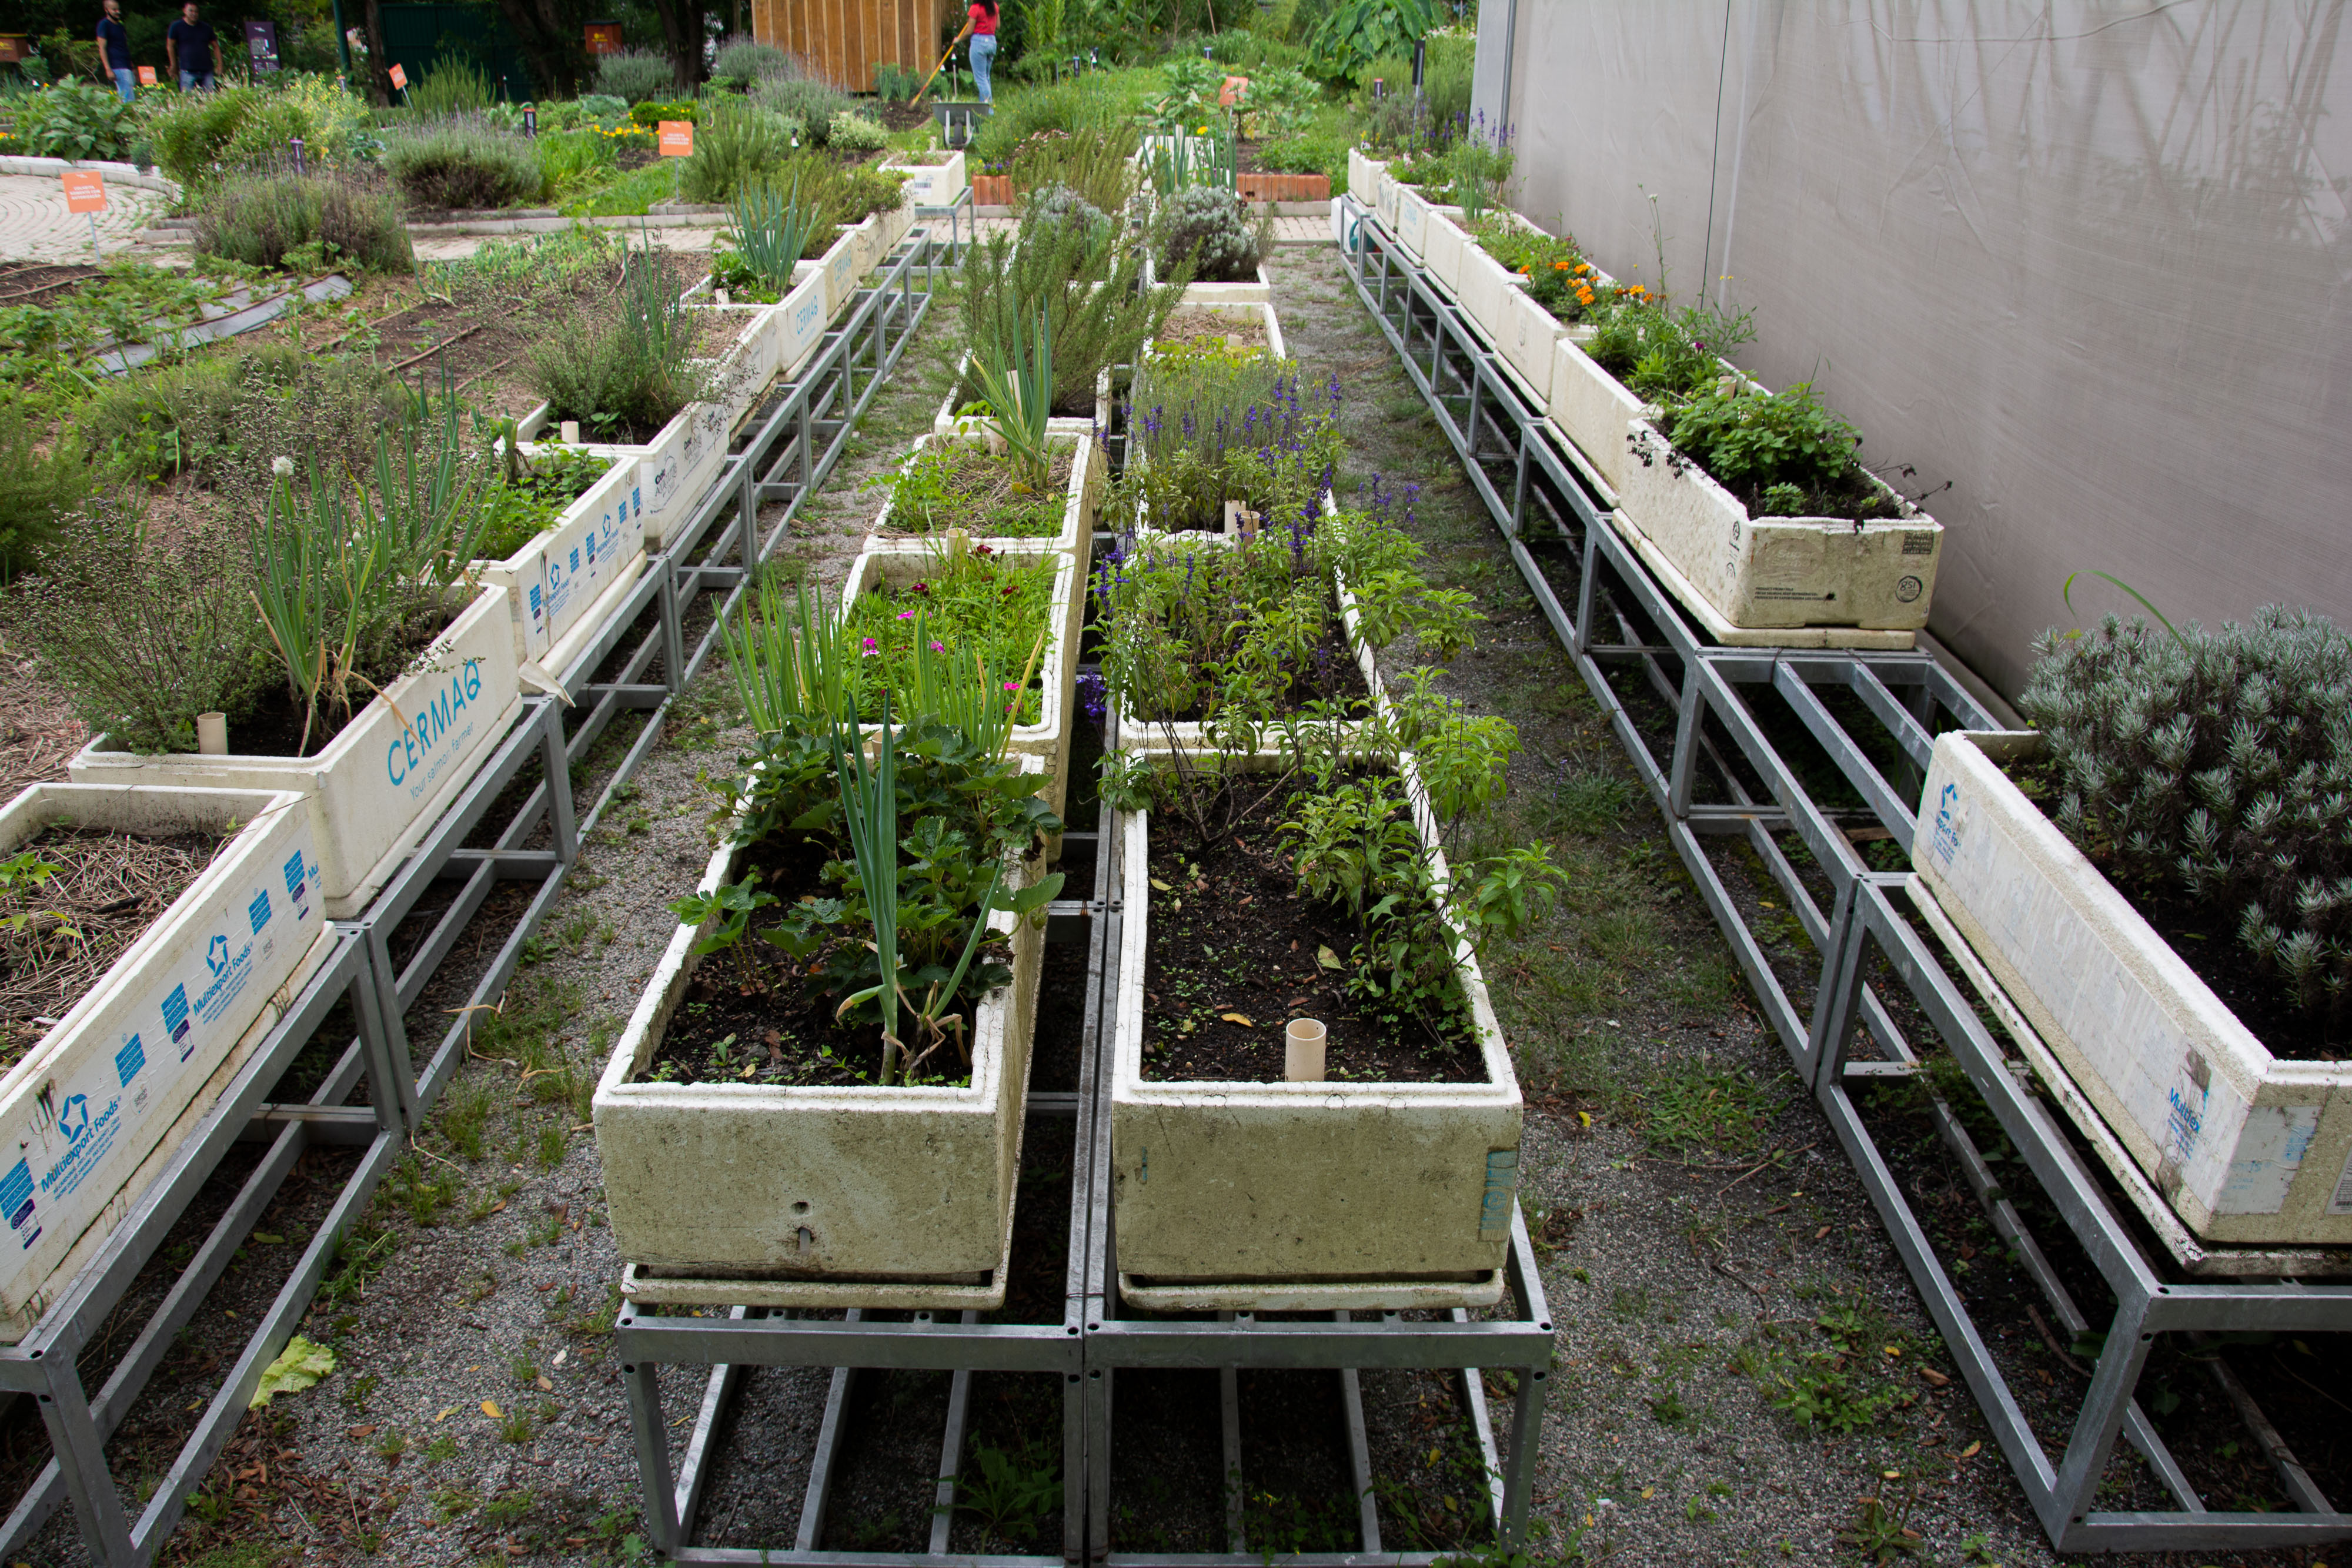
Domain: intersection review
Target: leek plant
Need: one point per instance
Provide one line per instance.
(772, 229)
(1017, 381)
(788, 668)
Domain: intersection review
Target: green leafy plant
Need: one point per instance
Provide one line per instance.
(1016, 377)
(450, 86)
(1753, 441)
(734, 147)
(772, 230)
(850, 131)
(1010, 1493)
(1210, 226)
(627, 373)
(1355, 32)
(1055, 267)
(635, 74)
(38, 491)
(75, 119)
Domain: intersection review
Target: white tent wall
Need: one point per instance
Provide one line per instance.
(2087, 263)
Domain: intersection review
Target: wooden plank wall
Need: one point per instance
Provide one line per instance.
(843, 40)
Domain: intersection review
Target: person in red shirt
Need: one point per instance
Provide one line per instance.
(981, 29)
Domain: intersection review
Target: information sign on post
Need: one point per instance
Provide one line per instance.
(261, 45)
(399, 78)
(605, 39)
(678, 139)
(146, 76)
(86, 192)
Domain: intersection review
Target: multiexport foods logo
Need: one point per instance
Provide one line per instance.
(421, 748)
(1947, 825)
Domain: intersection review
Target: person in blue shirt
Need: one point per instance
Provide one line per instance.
(114, 51)
(195, 49)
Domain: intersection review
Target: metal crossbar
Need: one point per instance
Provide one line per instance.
(1634, 649)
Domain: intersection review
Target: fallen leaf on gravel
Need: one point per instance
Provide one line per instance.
(491, 1408)
(498, 1205)
(1824, 1230)
(366, 1431)
(561, 1356)
(1934, 1376)
(444, 1414)
(1649, 1492)
(546, 1383)
(300, 1365)
(1238, 1018)
(1971, 1451)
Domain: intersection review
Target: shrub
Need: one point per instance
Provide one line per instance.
(335, 126)
(1355, 32)
(893, 83)
(1058, 206)
(262, 220)
(451, 86)
(588, 109)
(75, 119)
(809, 104)
(1212, 227)
(653, 112)
(202, 414)
(624, 375)
(735, 145)
(851, 131)
(745, 63)
(463, 161)
(36, 492)
(1280, 101)
(572, 161)
(1085, 103)
(1007, 280)
(190, 133)
(1092, 162)
(143, 629)
(635, 75)
(2215, 767)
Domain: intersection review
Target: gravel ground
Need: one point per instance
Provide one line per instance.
(1711, 1259)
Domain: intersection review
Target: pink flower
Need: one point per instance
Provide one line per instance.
(906, 615)
(1013, 686)
(938, 647)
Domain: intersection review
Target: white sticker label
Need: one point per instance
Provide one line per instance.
(2343, 1200)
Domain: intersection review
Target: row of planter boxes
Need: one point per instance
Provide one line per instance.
(1740, 573)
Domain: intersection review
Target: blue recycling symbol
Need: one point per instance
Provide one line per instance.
(74, 1120)
(216, 956)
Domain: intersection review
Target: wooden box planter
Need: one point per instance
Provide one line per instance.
(1306, 1196)
(1082, 505)
(934, 185)
(787, 1196)
(898, 563)
(562, 585)
(1780, 573)
(2248, 1148)
(372, 791)
(1283, 187)
(98, 1109)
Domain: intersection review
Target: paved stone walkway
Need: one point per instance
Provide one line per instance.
(36, 226)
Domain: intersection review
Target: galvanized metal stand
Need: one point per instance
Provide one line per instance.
(1868, 720)
(43, 1364)
(805, 431)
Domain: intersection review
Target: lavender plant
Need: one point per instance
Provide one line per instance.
(2216, 765)
(1276, 455)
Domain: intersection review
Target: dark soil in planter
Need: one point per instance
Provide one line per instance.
(107, 889)
(746, 1007)
(2205, 937)
(273, 728)
(1231, 939)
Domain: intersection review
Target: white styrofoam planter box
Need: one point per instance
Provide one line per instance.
(1254, 293)
(800, 319)
(905, 1193)
(838, 267)
(1384, 201)
(936, 184)
(372, 791)
(1306, 1196)
(1486, 292)
(1260, 315)
(1413, 212)
(1442, 241)
(97, 1109)
(1082, 504)
(1057, 669)
(1781, 571)
(947, 424)
(2247, 1147)
(1594, 411)
(596, 546)
(1530, 339)
(1364, 177)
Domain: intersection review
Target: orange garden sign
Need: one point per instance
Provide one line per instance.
(678, 139)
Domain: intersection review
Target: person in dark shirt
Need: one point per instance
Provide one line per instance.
(195, 49)
(114, 51)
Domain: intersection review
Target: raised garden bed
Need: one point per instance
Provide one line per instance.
(562, 582)
(1236, 1192)
(815, 1194)
(196, 911)
(371, 792)
(934, 179)
(2249, 1146)
(887, 590)
(963, 484)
